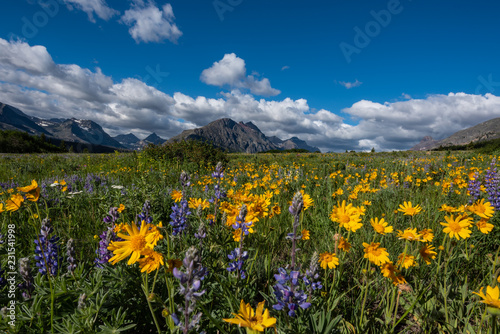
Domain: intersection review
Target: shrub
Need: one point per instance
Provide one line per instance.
(202, 154)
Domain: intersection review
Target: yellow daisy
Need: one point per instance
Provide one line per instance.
(151, 260)
(329, 260)
(255, 321)
(408, 209)
(457, 227)
(376, 254)
(427, 253)
(491, 296)
(409, 234)
(134, 243)
(380, 226)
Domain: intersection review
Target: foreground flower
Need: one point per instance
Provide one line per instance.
(305, 234)
(408, 209)
(426, 235)
(484, 226)
(344, 244)
(151, 261)
(176, 195)
(409, 234)
(194, 203)
(121, 208)
(406, 261)
(457, 227)
(133, 244)
(380, 226)
(375, 254)
(329, 260)
(482, 209)
(491, 298)
(347, 216)
(308, 201)
(32, 191)
(427, 253)
(29, 188)
(14, 202)
(390, 271)
(47, 250)
(447, 208)
(253, 321)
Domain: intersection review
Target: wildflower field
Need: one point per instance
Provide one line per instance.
(402, 242)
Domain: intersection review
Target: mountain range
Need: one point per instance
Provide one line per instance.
(86, 133)
(481, 132)
(223, 133)
(240, 137)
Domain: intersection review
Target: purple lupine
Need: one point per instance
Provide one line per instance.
(238, 259)
(102, 253)
(491, 182)
(286, 290)
(219, 171)
(312, 274)
(201, 233)
(474, 188)
(295, 209)
(180, 212)
(219, 193)
(190, 284)
(289, 298)
(145, 214)
(47, 250)
(184, 179)
(238, 255)
(70, 254)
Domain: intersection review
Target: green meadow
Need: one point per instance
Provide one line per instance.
(402, 242)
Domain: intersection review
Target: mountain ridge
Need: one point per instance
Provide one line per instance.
(233, 136)
(487, 130)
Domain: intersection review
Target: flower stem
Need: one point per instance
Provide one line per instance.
(145, 289)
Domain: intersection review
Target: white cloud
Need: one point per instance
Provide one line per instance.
(149, 23)
(286, 67)
(231, 71)
(34, 83)
(350, 85)
(228, 71)
(91, 7)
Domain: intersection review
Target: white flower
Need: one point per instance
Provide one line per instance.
(117, 187)
(72, 194)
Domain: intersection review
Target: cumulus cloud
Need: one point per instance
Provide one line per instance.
(33, 82)
(350, 85)
(91, 7)
(231, 71)
(402, 124)
(149, 23)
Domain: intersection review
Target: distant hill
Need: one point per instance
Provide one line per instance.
(481, 132)
(239, 137)
(131, 141)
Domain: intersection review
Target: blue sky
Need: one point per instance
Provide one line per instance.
(340, 74)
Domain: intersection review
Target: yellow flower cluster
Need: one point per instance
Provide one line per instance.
(139, 245)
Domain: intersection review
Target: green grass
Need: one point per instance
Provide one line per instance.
(355, 295)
